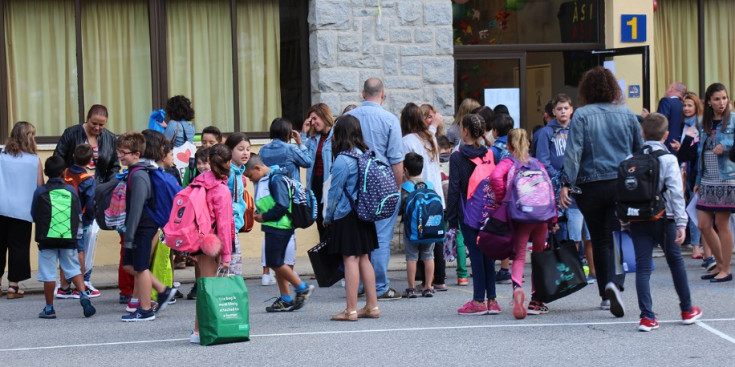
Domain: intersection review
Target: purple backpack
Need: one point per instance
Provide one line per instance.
(480, 196)
(531, 193)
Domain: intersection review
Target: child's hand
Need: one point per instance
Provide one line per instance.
(258, 218)
(680, 235)
(224, 265)
(675, 145)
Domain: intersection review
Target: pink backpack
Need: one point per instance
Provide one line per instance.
(480, 197)
(189, 221)
(531, 192)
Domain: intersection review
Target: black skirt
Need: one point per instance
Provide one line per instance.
(352, 237)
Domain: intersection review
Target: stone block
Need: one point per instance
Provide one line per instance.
(411, 66)
(439, 70)
(384, 3)
(396, 100)
(411, 50)
(423, 35)
(361, 12)
(409, 12)
(330, 99)
(332, 14)
(358, 60)
(366, 74)
(368, 27)
(338, 80)
(402, 82)
(390, 60)
(444, 40)
(444, 101)
(348, 42)
(400, 35)
(323, 48)
(437, 13)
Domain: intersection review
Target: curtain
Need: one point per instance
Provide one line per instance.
(199, 59)
(258, 62)
(675, 44)
(42, 70)
(117, 62)
(719, 49)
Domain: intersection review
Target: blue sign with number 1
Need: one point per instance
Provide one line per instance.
(633, 28)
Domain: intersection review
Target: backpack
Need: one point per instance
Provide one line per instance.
(249, 215)
(189, 220)
(503, 148)
(531, 193)
(480, 196)
(74, 180)
(103, 194)
(377, 193)
(303, 209)
(423, 219)
(638, 195)
(113, 209)
(57, 217)
(165, 187)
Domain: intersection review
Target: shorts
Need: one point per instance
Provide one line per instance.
(140, 255)
(51, 259)
(275, 249)
(81, 241)
(576, 226)
(289, 258)
(412, 251)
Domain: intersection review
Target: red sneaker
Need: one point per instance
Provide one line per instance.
(690, 317)
(462, 281)
(519, 297)
(647, 324)
(493, 308)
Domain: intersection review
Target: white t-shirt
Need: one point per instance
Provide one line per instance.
(431, 172)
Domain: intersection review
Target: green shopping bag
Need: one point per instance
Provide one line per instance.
(222, 310)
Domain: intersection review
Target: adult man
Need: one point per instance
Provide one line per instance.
(672, 107)
(382, 133)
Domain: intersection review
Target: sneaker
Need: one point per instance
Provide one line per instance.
(493, 308)
(519, 297)
(172, 301)
(503, 276)
(591, 279)
(164, 298)
(124, 299)
(390, 294)
(647, 324)
(67, 293)
(710, 263)
(194, 337)
(605, 305)
(134, 306)
(89, 292)
(440, 287)
(92, 292)
(463, 282)
(473, 308)
(690, 317)
(89, 310)
(280, 306)
(267, 279)
(139, 315)
(47, 314)
(192, 293)
(537, 308)
(428, 292)
(409, 293)
(302, 297)
(612, 293)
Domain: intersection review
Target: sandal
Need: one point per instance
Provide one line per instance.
(368, 313)
(16, 292)
(345, 316)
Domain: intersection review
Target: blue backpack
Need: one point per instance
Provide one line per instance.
(303, 210)
(165, 187)
(377, 193)
(423, 219)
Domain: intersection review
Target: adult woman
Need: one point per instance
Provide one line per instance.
(351, 237)
(316, 134)
(465, 108)
(591, 165)
(179, 113)
(434, 120)
(716, 179)
(418, 138)
(93, 132)
(20, 173)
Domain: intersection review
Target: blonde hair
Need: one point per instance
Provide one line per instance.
(22, 139)
(465, 108)
(426, 109)
(518, 144)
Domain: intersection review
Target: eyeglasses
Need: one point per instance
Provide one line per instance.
(120, 153)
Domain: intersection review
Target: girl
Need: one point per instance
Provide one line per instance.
(318, 126)
(239, 145)
(219, 205)
(518, 147)
(716, 179)
(20, 158)
(351, 237)
(179, 113)
(454, 133)
(460, 170)
(434, 120)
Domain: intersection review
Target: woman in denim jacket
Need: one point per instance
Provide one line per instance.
(716, 179)
(602, 133)
(316, 133)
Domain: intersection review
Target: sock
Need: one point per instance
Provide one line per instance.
(286, 297)
(134, 300)
(301, 287)
(49, 308)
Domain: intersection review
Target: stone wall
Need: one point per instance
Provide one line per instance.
(407, 44)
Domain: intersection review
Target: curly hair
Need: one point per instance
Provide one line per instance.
(412, 122)
(22, 139)
(598, 85)
(178, 108)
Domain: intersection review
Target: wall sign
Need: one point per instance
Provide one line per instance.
(634, 91)
(633, 28)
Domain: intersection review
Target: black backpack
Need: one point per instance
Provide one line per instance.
(638, 195)
(57, 217)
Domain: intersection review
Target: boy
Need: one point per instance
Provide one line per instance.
(669, 231)
(211, 136)
(413, 164)
(140, 228)
(54, 210)
(84, 183)
(502, 123)
(272, 201)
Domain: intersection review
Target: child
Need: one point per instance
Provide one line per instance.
(53, 247)
(201, 157)
(669, 231)
(272, 200)
(461, 167)
(167, 161)
(239, 144)
(518, 148)
(501, 125)
(140, 227)
(351, 238)
(413, 164)
(84, 184)
(210, 136)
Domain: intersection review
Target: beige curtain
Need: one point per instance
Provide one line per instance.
(117, 61)
(719, 49)
(199, 59)
(258, 62)
(675, 44)
(42, 71)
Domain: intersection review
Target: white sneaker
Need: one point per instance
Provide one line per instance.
(605, 305)
(194, 338)
(267, 279)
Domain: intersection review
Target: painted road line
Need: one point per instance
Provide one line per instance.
(715, 331)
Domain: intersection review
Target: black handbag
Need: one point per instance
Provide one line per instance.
(557, 271)
(326, 266)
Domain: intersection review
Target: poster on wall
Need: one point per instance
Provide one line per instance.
(510, 97)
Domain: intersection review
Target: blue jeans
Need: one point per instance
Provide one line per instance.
(380, 257)
(645, 235)
(483, 267)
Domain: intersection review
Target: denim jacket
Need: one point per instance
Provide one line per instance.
(285, 155)
(726, 167)
(601, 135)
(312, 143)
(344, 174)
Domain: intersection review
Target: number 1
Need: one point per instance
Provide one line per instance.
(633, 23)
